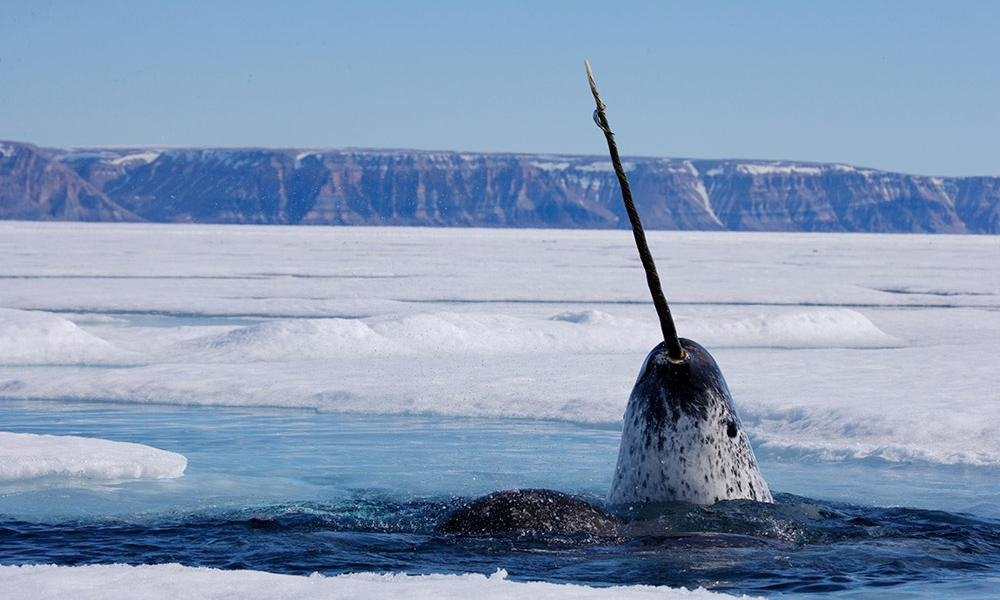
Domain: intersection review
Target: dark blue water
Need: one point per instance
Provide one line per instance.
(298, 492)
(796, 545)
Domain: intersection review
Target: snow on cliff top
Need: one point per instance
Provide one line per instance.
(137, 157)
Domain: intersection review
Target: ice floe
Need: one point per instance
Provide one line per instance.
(842, 346)
(25, 456)
(169, 581)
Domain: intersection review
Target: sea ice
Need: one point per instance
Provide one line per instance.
(26, 456)
(840, 346)
(169, 581)
(32, 337)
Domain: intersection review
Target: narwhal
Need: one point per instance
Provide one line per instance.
(681, 440)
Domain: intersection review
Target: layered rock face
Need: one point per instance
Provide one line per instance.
(35, 187)
(397, 187)
(976, 202)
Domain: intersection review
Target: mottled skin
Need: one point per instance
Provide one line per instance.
(531, 512)
(682, 440)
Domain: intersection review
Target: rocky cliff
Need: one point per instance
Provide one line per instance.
(35, 187)
(390, 187)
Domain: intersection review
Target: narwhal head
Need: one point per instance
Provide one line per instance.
(682, 440)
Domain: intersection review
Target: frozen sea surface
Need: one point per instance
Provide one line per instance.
(336, 390)
(28, 456)
(170, 581)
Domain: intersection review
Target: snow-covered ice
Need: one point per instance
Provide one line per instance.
(446, 333)
(25, 456)
(32, 337)
(840, 346)
(170, 581)
(836, 348)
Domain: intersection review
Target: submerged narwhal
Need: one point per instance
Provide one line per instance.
(681, 442)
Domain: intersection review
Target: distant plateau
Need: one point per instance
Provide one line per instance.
(462, 189)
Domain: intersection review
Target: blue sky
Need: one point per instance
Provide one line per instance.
(909, 86)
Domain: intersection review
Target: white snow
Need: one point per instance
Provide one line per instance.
(445, 333)
(225, 157)
(845, 346)
(807, 328)
(136, 157)
(304, 155)
(26, 456)
(699, 188)
(602, 166)
(32, 337)
(549, 166)
(6, 150)
(685, 167)
(588, 181)
(778, 169)
(169, 581)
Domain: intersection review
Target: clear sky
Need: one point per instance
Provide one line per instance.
(899, 85)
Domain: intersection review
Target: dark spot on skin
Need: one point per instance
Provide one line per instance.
(731, 429)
